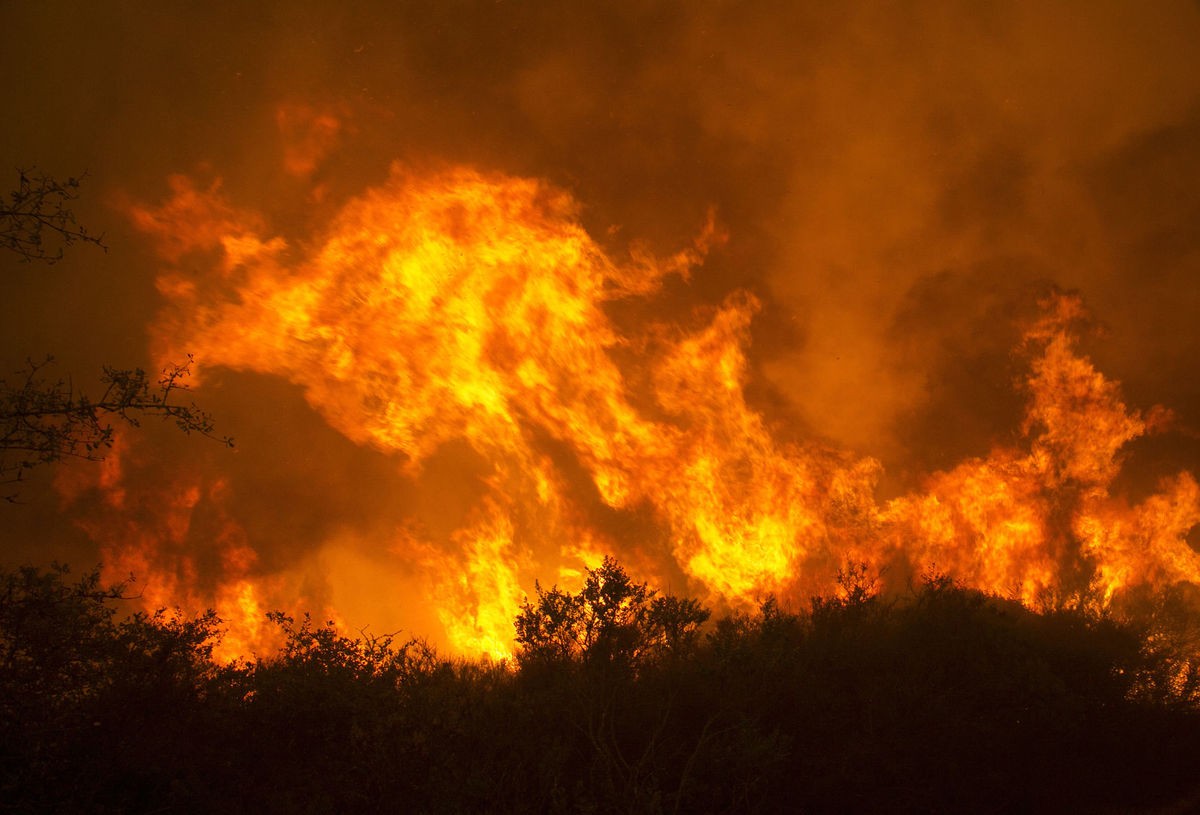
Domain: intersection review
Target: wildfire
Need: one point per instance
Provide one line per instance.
(460, 307)
(177, 546)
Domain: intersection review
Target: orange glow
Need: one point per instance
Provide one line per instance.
(460, 307)
(308, 137)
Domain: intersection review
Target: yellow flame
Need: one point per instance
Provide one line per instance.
(468, 307)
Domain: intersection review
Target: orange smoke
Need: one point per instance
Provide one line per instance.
(460, 307)
(309, 135)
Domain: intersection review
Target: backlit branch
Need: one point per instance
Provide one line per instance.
(44, 420)
(36, 222)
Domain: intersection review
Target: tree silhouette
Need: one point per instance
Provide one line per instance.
(611, 620)
(940, 700)
(37, 222)
(42, 418)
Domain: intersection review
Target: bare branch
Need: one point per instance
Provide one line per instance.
(43, 420)
(36, 223)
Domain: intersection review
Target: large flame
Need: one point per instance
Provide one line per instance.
(458, 307)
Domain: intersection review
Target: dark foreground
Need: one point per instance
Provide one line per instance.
(942, 700)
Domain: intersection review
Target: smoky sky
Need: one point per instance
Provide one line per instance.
(899, 183)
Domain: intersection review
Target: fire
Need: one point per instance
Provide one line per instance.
(1040, 521)
(747, 514)
(482, 597)
(149, 540)
(465, 308)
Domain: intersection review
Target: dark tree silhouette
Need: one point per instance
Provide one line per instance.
(612, 619)
(42, 418)
(939, 700)
(37, 222)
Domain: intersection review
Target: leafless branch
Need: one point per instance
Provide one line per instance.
(37, 223)
(43, 420)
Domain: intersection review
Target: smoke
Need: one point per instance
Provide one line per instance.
(899, 183)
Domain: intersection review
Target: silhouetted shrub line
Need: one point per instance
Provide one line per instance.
(620, 700)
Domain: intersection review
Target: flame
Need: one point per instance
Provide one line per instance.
(461, 307)
(482, 595)
(1040, 520)
(148, 541)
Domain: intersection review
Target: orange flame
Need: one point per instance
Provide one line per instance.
(1041, 520)
(147, 536)
(468, 307)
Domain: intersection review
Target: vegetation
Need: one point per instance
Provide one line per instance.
(36, 222)
(44, 419)
(945, 700)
